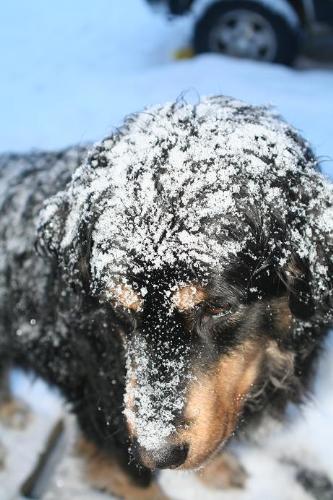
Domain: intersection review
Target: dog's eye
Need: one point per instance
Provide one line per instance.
(220, 311)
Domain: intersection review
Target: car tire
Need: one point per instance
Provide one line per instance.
(282, 38)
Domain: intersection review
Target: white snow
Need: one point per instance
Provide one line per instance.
(70, 71)
(23, 446)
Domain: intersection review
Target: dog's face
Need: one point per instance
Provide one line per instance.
(207, 230)
(195, 355)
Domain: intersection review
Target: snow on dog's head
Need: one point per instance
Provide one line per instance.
(209, 227)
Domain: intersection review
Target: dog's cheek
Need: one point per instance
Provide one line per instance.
(280, 365)
(215, 401)
(283, 317)
(301, 302)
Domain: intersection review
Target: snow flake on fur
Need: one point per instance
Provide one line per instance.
(155, 400)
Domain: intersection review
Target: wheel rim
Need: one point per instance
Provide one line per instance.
(242, 33)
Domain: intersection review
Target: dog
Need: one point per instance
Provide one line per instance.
(174, 281)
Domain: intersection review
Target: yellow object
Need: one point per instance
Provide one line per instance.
(184, 53)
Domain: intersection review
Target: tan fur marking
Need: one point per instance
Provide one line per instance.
(281, 309)
(281, 364)
(215, 401)
(126, 297)
(105, 474)
(187, 297)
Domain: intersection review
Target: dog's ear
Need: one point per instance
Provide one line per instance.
(297, 277)
(69, 254)
(51, 225)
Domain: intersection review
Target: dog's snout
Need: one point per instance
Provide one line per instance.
(169, 457)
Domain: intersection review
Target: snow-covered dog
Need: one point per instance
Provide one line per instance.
(183, 285)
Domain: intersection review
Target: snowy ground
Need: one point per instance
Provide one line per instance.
(69, 72)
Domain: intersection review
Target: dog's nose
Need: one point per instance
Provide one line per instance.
(170, 457)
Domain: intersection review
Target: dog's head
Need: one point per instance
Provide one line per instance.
(207, 230)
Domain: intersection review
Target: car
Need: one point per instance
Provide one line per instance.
(265, 30)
